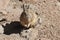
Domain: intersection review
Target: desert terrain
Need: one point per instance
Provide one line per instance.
(47, 26)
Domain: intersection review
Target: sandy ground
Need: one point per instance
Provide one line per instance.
(47, 27)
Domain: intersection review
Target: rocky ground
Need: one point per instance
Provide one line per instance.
(46, 28)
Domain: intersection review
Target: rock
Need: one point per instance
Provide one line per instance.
(1, 29)
(29, 34)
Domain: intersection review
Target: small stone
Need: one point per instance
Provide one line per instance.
(1, 29)
(58, 3)
(32, 33)
(4, 12)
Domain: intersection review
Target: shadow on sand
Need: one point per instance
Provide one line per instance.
(14, 27)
